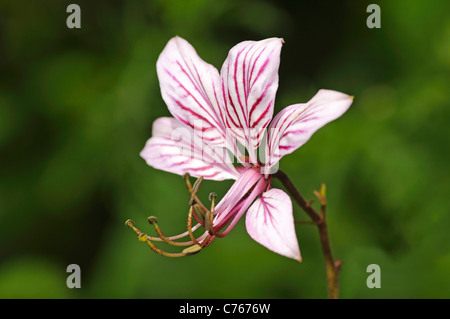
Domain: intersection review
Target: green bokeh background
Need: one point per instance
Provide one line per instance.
(77, 105)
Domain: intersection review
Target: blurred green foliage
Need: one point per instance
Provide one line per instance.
(77, 105)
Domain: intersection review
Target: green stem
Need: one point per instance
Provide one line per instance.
(332, 267)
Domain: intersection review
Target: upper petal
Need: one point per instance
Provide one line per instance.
(250, 81)
(294, 125)
(175, 148)
(191, 89)
(270, 222)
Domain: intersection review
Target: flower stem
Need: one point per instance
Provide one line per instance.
(332, 267)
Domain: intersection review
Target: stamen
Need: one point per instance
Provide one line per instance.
(189, 226)
(196, 243)
(130, 224)
(154, 221)
(209, 226)
(182, 235)
(192, 250)
(188, 182)
(197, 184)
(159, 250)
(145, 238)
(193, 191)
(199, 212)
(209, 223)
(212, 197)
(198, 201)
(208, 240)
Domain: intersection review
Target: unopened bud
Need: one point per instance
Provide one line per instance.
(323, 190)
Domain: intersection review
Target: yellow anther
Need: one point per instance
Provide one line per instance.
(129, 223)
(142, 237)
(152, 220)
(192, 250)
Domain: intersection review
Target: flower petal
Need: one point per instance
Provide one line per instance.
(250, 81)
(294, 125)
(270, 222)
(175, 148)
(191, 89)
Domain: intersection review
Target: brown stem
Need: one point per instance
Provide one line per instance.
(332, 267)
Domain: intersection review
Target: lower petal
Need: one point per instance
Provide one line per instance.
(270, 222)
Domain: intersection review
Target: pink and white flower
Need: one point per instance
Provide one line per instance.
(220, 118)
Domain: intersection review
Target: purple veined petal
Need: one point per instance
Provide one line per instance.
(250, 81)
(295, 124)
(192, 90)
(269, 222)
(175, 148)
